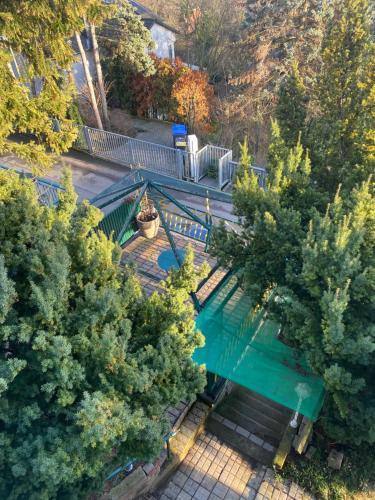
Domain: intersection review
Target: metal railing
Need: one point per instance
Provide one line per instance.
(208, 161)
(135, 152)
(211, 160)
(187, 227)
(225, 169)
(260, 172)
(48, 191)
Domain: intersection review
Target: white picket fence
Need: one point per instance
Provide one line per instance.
(209, 161)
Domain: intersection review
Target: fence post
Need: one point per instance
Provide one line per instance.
(220, 172)
(195, 166)
(87, 137)
(179, 163)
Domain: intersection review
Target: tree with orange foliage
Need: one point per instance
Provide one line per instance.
(153, 93)
(193, 95)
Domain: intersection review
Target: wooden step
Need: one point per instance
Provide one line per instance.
(248, 444)
(258, 410)
(251, 420)
(263, 404)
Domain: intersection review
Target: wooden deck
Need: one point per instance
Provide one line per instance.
(144, 255)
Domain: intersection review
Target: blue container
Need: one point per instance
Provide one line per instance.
(179, 129)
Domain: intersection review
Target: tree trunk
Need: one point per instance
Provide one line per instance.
(99, 74)
(89, 81)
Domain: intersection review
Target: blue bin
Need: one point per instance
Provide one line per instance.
(179, 132)
(179, 129)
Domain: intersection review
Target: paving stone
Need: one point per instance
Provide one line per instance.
(191, 486)
(208, 483)
(201, 493)
(263, 488)
(335, 459)
(269, 491)
(184, 496)
(220, 490)
(197, 475)
(255, 439)
(172, 491)
(229, 424)
(232, 495)
(293, 490)
(214, 471)
(252, 494)
(148, 468)
(269, 447)
(180, 479)
(242, 431)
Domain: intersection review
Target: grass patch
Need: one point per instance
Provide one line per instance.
(355, 480)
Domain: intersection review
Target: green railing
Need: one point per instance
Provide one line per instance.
(114, 221)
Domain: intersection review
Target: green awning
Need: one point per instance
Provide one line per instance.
(243, 346)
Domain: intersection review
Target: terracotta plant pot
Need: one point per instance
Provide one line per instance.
(148, 228)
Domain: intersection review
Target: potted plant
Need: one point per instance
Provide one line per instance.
(148, 219)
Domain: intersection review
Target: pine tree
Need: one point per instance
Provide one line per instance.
(321, 262)
(125, 45)
(88, 364)
(343, 138)
(291, 107)
(37, 35)
(330, 312)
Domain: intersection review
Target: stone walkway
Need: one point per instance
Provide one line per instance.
(214, 471)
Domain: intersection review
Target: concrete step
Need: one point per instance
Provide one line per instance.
(246, 443)
(251, 420)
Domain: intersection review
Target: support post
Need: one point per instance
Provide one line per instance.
(87, 137)
(179, 163)
(132, 212)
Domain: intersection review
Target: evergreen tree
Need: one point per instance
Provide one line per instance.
(343, 138)
(330, 312)
(125, 44)
(88, 364)
(321, 262)
(34, 48)
(291, 107)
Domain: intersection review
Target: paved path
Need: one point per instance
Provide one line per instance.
(92, 175)
(214, 471)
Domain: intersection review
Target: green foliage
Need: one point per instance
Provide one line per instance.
(291, 107)
(126, 40)
(89, 364)
(245, 160)
(320, 261)
(342, 136)
(35, 35)
(125, 43)
(212, 170)
(355, 477)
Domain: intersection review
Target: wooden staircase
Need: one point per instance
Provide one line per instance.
(251, 423)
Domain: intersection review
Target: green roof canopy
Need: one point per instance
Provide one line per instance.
(243, 346)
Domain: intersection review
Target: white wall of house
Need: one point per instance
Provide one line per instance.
(164, 41)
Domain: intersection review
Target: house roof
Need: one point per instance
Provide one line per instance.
(149, 17)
